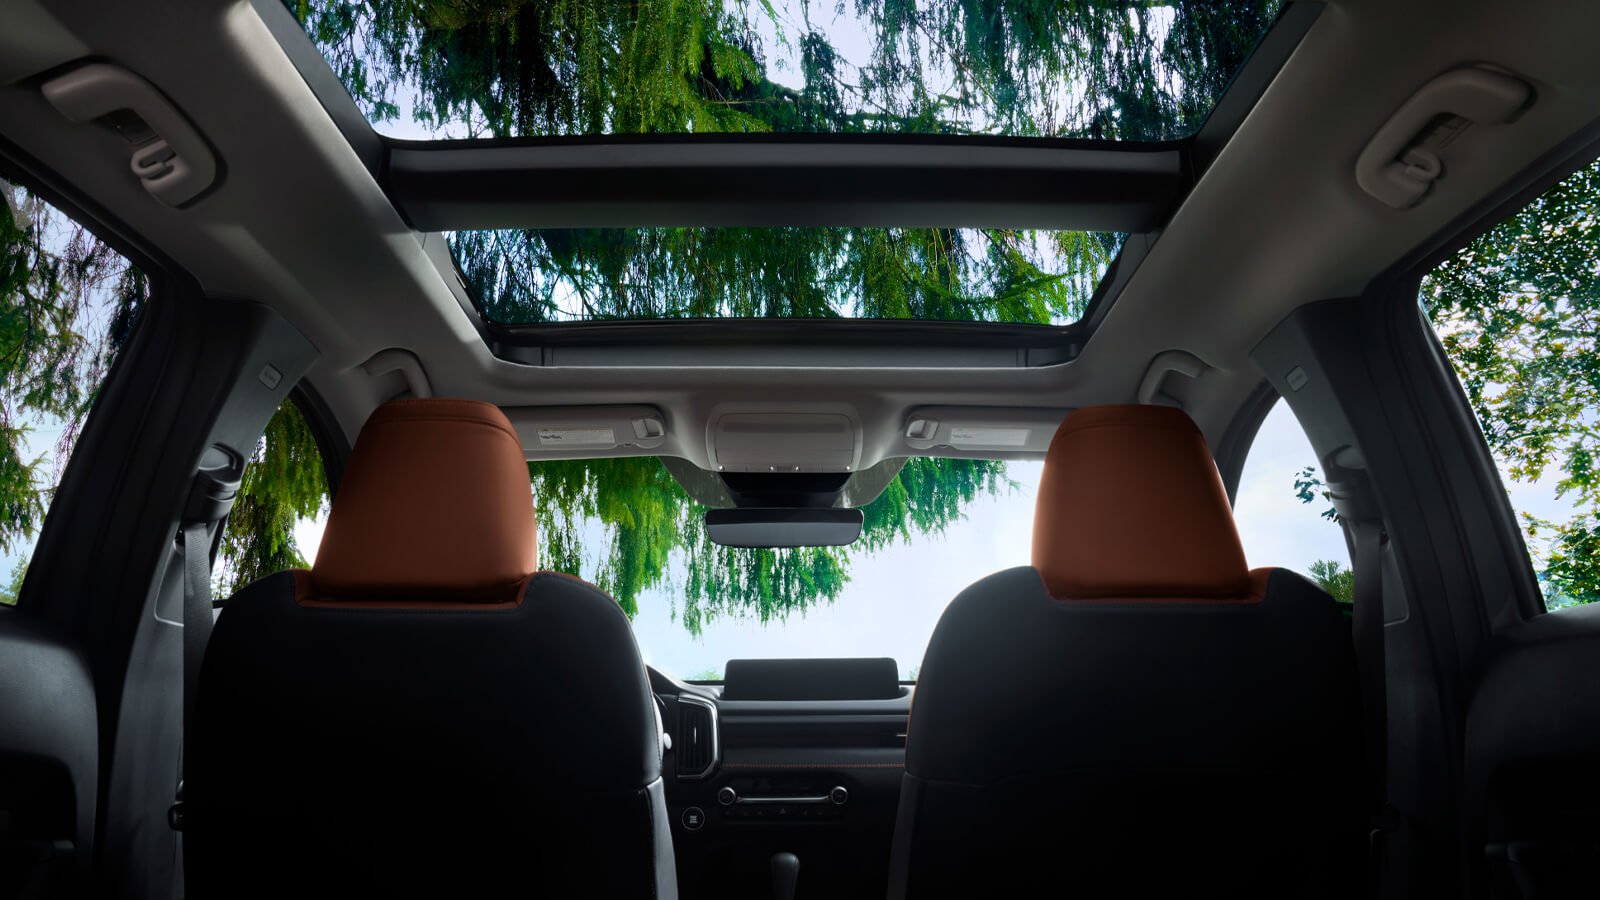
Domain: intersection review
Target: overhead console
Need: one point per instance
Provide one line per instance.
(714, 452)
(982, 430)
(785, 442)
(568, 432)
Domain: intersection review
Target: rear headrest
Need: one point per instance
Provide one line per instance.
(1131, 506)
(435, 504)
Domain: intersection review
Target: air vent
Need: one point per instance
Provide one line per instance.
(696, 741)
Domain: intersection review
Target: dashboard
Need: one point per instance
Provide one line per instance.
(801, 757)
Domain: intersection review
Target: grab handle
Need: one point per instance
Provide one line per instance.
(1401, 162)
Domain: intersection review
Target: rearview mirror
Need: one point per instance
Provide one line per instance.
(783, 527)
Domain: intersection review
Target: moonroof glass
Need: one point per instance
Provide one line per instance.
(524, 277)
(1113, 69)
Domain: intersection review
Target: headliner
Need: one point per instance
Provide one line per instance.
(1275, 221)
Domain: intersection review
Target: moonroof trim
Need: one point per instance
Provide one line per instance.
(873, 343)
(844, 180)
(1259, 70)
(320, 78)
(785, 137)
(1255, 75)
(1194, 154)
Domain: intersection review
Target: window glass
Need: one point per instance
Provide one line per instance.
(1112, 69)
(1285, 520)
(68, 304)
(284, 490)
(536, 276)
(628, 526)
(1518, 313)
(67, 307)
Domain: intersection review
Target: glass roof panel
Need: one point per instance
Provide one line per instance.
(537, 276)
(1131, 70)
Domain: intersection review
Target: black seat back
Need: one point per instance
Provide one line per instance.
(1137, 710)
(1532, 774)
(423, 713)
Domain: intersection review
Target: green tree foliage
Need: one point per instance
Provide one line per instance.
(950, 274)
(1518, 311)
(630, 524)
(1572, 562)
(67, 304)
(8, 594)
(283, 483)
(1335, 578)
(1127, 69)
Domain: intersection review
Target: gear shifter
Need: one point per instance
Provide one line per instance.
(785, 872)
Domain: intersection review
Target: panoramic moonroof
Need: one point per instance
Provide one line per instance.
(1110, 69)
(536, 276)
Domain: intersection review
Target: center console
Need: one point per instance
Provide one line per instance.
(761, 767)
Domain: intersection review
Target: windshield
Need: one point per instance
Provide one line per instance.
(522, 277)
(1118, 70)
(626, 525)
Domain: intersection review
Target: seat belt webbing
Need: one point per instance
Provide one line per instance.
(1390, 845)
(1367, 635)
(197, 615)
(210, 499)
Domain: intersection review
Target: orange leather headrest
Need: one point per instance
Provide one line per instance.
(1131, 507)
(435, 504)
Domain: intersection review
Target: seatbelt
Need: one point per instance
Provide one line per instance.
(1389, 843)
(215, 486)
(197, 615)
(1367, 635)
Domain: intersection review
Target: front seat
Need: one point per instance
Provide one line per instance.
(1137, 712)
(423, 713)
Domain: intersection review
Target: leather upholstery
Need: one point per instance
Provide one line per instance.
(429, 733)
(1131, 506)
(435, 501)
(1074, 731)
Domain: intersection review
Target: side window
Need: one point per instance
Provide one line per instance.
(1284, 518)
(68, 304)
(277, 518)
(1518, 313)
